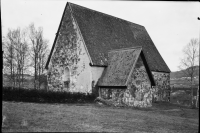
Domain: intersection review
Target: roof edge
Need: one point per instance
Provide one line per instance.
(160, 71)
(133, 66)
(107, 15)
(150, 75)
(51, 52)
(157, 50)
(124, 49)
(113, 87)
(92, 65)
(72, 12)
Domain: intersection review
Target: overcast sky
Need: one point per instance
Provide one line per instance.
(170, 25)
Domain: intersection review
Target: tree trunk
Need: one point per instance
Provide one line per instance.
(11, 75)
(35, 74)
(192, 90)
(22, 58)
(22, 78)
(39, 71)
(18, 75)
(192, 97)
(39, 77)
(14, 76)
(42, 65)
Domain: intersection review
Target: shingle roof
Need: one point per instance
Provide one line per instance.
(120, 64)
(102, 32)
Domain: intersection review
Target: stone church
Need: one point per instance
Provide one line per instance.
(98, 53)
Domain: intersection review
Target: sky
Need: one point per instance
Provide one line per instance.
(171, 25)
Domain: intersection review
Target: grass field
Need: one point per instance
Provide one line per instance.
(34, 117)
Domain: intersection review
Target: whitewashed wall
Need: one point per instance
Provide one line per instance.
(81, 73)
(96, 73)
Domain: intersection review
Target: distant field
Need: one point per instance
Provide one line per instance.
(29, 84)
(161, 118)
(182, 83)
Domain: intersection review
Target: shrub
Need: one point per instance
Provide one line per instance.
(181, 96)
(43, 96)
(187, 90)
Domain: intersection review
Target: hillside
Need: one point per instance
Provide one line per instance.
(179, 79)
(180, 74)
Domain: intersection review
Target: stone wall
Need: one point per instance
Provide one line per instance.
(138, 92)
(69, 52)
(162, 87)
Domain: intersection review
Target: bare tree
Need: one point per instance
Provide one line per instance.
(42, 57)
(39, 52)
(190, 62)
(22, 51)
(9, 56)
(17, 44)
(16, 54)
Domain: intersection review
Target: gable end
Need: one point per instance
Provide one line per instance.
(71, 10)
(57, 33)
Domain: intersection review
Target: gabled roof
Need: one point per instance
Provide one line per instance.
(120, 67)
(102, 32)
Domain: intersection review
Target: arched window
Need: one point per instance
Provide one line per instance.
(66, 78)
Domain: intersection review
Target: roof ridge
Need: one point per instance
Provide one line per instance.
(141, 26)
(133, 67)
(124, 49)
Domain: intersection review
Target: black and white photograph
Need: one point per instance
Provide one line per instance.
(100, 66)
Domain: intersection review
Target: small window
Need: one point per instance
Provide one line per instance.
(66, 78)
(66, 84)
